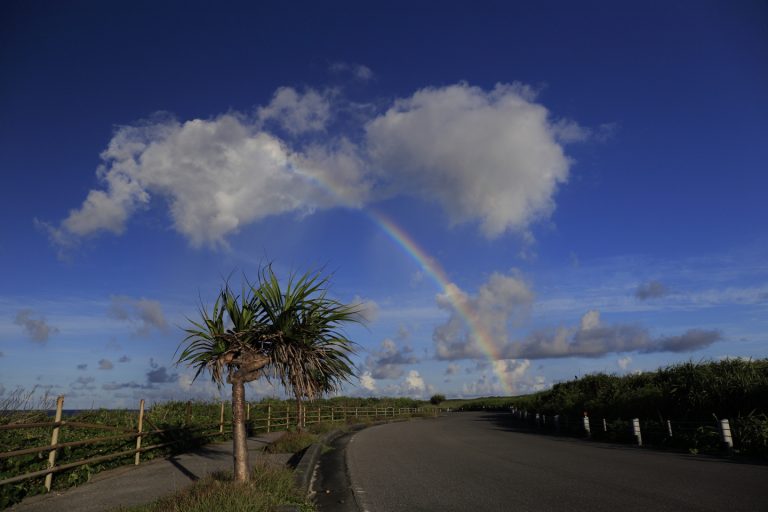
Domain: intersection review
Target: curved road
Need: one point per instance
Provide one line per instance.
(477, 461)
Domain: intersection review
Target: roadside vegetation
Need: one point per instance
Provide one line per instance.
(693, 396)
(187, 424)
(268, 487)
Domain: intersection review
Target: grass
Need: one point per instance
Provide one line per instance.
(292, 442)
(269, 487)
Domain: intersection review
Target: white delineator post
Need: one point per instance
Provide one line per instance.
(636, 431)
(669, 427)
(725, 429)
(586, 424)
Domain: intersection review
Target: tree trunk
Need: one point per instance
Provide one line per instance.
(239, 435)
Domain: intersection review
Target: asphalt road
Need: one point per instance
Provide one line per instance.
(476, 462)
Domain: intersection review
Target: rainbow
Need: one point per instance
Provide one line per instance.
(433, 269)
(438, 275)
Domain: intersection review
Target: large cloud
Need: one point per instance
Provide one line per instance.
(487, 156)
(481, 325)
(216, 175)
(493, 157)
(593, 339)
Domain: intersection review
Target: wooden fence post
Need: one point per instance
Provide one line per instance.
(318, 414)
(287, 416)
(269, 417)
(54, 441)
(137, 459)
(221, 419)
(248, 411)
(332, 418)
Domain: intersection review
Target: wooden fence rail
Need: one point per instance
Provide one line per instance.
(265, 418)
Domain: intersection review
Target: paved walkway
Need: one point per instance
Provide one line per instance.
(136, 485)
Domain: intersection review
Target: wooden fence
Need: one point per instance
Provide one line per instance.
(266, 418)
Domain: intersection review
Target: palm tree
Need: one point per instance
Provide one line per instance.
(235, 345)
(313, 355)
(294, 332)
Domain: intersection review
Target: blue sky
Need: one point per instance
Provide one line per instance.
(587, 182)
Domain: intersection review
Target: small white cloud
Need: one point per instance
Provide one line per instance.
(624, 362)
(148, 314)
(590, 320)
(417, 277)
(388, 361)
(415, 383)
(651, 290)
(358, 71)
(105, 364)
(452, 369)
(296, 112)
(34, 325)
(368, 309)
(367, 381)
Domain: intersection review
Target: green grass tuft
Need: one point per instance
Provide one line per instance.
(269, 487)
(292, 442)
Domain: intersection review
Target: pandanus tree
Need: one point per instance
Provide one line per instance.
(291, 334)
(313, 355)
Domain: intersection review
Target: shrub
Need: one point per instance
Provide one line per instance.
(436, 399)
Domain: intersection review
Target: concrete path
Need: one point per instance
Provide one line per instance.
(136, 485)
(481, 462)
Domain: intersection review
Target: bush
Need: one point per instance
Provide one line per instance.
(436, 399)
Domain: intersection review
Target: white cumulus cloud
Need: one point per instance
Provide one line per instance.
(494, 157)
(296, 112)
(367, 381)
(487, 156)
